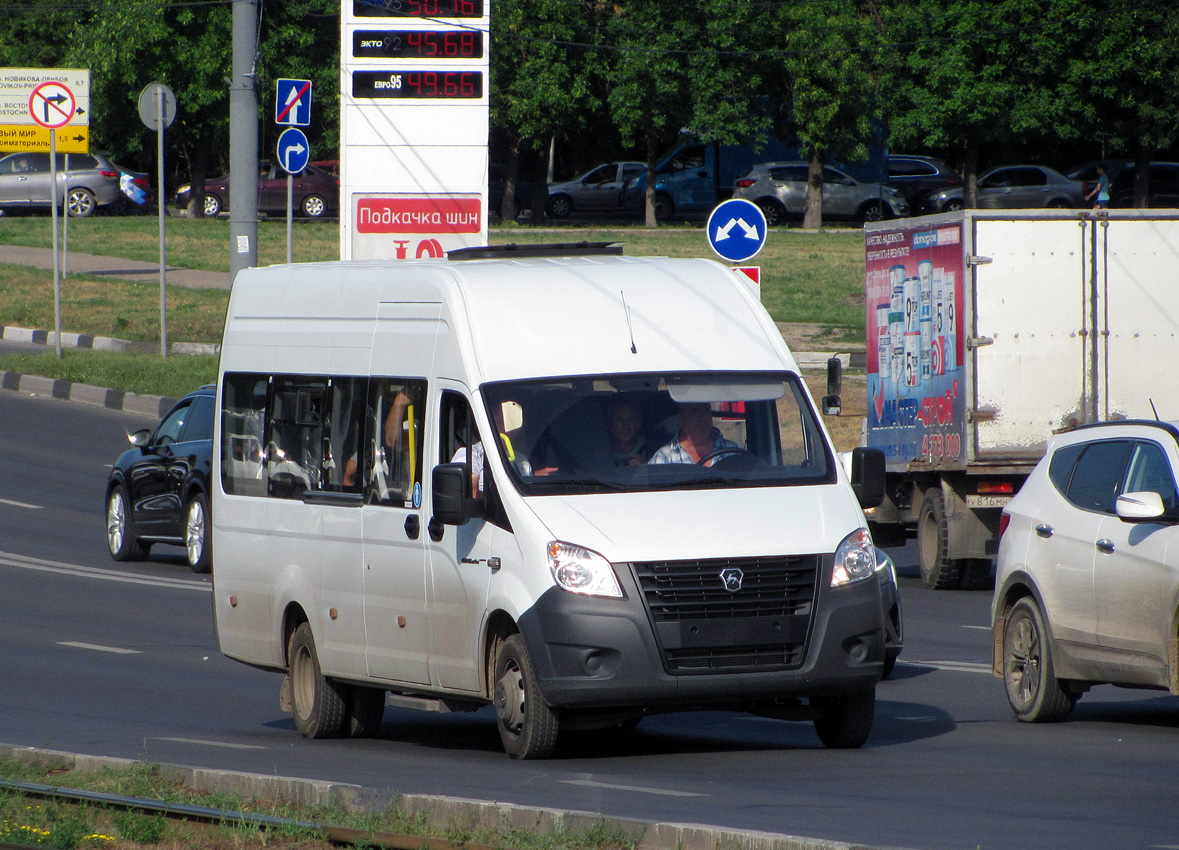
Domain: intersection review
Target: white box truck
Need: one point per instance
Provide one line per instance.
(577, 486)
(987, 332)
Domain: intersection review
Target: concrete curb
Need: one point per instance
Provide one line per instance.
(12, 333)
(444, 812)
(148, 405)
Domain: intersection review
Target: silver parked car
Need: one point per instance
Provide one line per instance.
(1087, 584)
(598, 190)
(779, 188)
(1013, 187)
(93, 181)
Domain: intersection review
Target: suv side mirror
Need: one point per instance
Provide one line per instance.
(867, 476)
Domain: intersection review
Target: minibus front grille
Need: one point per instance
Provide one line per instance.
(730, 615)
(695, 590)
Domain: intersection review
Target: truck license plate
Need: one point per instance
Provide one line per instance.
(977, 501)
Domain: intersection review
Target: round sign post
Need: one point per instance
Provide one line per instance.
(157, 110)
(736, 230)
(293, 153)
(52, 105)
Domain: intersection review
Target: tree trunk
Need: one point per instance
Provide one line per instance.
(970, 176)
(507, 205)
(540, 187)
(812, 219)
(200, 171)
(649, 200)
(1142, 157)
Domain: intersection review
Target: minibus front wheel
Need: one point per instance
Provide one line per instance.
(317, 702)
(527, 725)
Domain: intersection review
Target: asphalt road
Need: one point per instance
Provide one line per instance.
(121, 660)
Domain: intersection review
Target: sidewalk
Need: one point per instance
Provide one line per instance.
(75, 263)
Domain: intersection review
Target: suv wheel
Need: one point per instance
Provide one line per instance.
(1035, 694)
(80, 202)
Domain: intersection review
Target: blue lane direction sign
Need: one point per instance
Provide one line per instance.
(293, 150)
(292, 103)
(736, 230)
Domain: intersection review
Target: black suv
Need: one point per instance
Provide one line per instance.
(158, 491)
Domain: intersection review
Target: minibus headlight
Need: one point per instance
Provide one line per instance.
(855, 558)
(579, 570)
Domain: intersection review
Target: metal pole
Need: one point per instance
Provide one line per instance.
(56, 241)
(290, 215)
(159, 92)
(65, 224)
(243, 141)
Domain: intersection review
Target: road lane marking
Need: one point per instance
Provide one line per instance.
(24, 562)
(98, 648)
(589, 783)
(21, 504)
(981, 628)
(199, 742)
(957, 666)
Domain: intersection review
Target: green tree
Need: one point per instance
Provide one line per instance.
(541, 76)
(682, 66)
(830, 79)
(1121, 78)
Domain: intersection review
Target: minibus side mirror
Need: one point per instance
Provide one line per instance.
(452, 493)
(867, 476)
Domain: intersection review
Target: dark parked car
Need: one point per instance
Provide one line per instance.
(1013, 187)
(158, 490)
(93, 181)
(917, 176)
(497, 182)
(316, 193)
(1162, 186)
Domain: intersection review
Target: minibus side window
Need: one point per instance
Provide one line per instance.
(243, 420)
(393, 457)
(295, 438)
(460, 442)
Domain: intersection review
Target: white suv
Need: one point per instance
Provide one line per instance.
(1087, 585)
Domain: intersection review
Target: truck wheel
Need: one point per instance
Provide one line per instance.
(364, 709)
(845, 722)
(1033, 690)
(664, 207)
(318, 703)
(938, 570)
(527, 725)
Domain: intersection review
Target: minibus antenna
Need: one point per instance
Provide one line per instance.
(630, 328)
(1155, 410)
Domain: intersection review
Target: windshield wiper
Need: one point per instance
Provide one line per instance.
(587, 485)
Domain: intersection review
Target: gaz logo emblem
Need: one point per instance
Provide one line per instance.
(732, 579)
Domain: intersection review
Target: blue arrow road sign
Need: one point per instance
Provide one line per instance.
(736, 230)
(293, 150)
(292, 103)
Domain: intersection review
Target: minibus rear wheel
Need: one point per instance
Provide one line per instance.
(527, 725)
(318, 703)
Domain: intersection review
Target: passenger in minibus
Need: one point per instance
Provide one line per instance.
(627, 441)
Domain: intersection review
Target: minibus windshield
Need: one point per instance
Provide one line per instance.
(643, 432)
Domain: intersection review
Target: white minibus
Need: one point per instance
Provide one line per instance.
(577, 486)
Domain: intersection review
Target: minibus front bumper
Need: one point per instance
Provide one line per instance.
(591, 652)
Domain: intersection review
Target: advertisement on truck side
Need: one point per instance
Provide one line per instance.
(916, 385)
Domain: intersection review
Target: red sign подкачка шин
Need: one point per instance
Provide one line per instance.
(418, 215)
